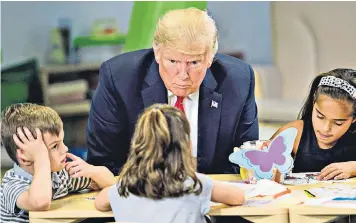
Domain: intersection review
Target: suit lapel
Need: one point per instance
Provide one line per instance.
(154, 90)
(208, 121)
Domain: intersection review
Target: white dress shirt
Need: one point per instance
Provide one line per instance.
(191, 106)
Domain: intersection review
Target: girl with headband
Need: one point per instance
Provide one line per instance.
(326, 139)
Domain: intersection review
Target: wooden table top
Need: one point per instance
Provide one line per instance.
(82, 205)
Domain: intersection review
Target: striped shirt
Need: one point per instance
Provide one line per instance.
(17, 181)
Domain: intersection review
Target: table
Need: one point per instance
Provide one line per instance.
(73, 208)
(269, 213)
(77, 207)
(316, 214)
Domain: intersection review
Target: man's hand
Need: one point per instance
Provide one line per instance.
(31, 149)
(337, 171)
(78, 167)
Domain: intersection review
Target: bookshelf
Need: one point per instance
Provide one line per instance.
(66, 74)
(73, 109)
(68, 90)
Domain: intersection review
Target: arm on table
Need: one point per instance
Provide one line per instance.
(102, 202)
(102, 177)
(227, 194)
(84, 175)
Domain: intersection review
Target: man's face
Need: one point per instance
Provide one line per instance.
(181, 73)
(56, 150)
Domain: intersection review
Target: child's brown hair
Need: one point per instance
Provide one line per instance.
(160, 157)
(27, 115)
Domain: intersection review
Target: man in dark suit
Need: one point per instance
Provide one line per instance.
(215, 91)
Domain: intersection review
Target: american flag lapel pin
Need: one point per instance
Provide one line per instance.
(214, 104)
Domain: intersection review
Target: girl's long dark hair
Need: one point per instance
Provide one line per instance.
(348, 75)
(160, 159)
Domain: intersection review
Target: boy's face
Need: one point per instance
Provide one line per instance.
(56, 150)
(331, 119)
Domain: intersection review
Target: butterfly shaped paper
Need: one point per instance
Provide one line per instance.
(277, 155)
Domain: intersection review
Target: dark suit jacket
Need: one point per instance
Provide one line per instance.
(131, 82)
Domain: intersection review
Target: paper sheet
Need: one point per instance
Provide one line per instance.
(306, 178)
(335, 202)
(335, 190)
(263, 187)
(256, 203)
(248, 203)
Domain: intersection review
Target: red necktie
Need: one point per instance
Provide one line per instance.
(179, 103)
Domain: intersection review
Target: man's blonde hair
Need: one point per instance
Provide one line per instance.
(27, 115)
(189, 31)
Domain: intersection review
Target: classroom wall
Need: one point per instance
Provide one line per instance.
(25, 26)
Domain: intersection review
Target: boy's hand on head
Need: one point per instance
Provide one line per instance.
(78, 167)
(336, 171)
(30, 148)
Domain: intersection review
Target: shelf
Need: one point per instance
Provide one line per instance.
(83, 41)
(67, 68)
(78, 108)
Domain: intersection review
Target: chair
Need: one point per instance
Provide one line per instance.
(144, 18)
(308, 38)
(20, 83)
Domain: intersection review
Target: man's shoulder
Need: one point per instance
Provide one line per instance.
(231, 65)
(227, 69)
(227, 60)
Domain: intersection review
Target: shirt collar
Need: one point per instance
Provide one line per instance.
(193, 96)
(21, 172)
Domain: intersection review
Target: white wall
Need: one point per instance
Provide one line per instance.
(25, 26)
(244, 26)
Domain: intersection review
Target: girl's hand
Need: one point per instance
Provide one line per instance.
(78, 167)
(336, 171)
(265, 144)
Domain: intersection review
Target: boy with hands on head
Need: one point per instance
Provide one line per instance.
(33, 138)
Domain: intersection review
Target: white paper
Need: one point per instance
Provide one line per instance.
(263, 187)
(306, 178)
(335, 190)
(329, 202)
(256, 203)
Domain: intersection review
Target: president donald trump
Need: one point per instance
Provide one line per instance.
(215, 91)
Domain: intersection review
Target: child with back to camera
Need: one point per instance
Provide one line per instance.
(326, 139)
(33, 138)
(158, 183)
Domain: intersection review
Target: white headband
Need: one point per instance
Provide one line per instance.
(339, 83)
